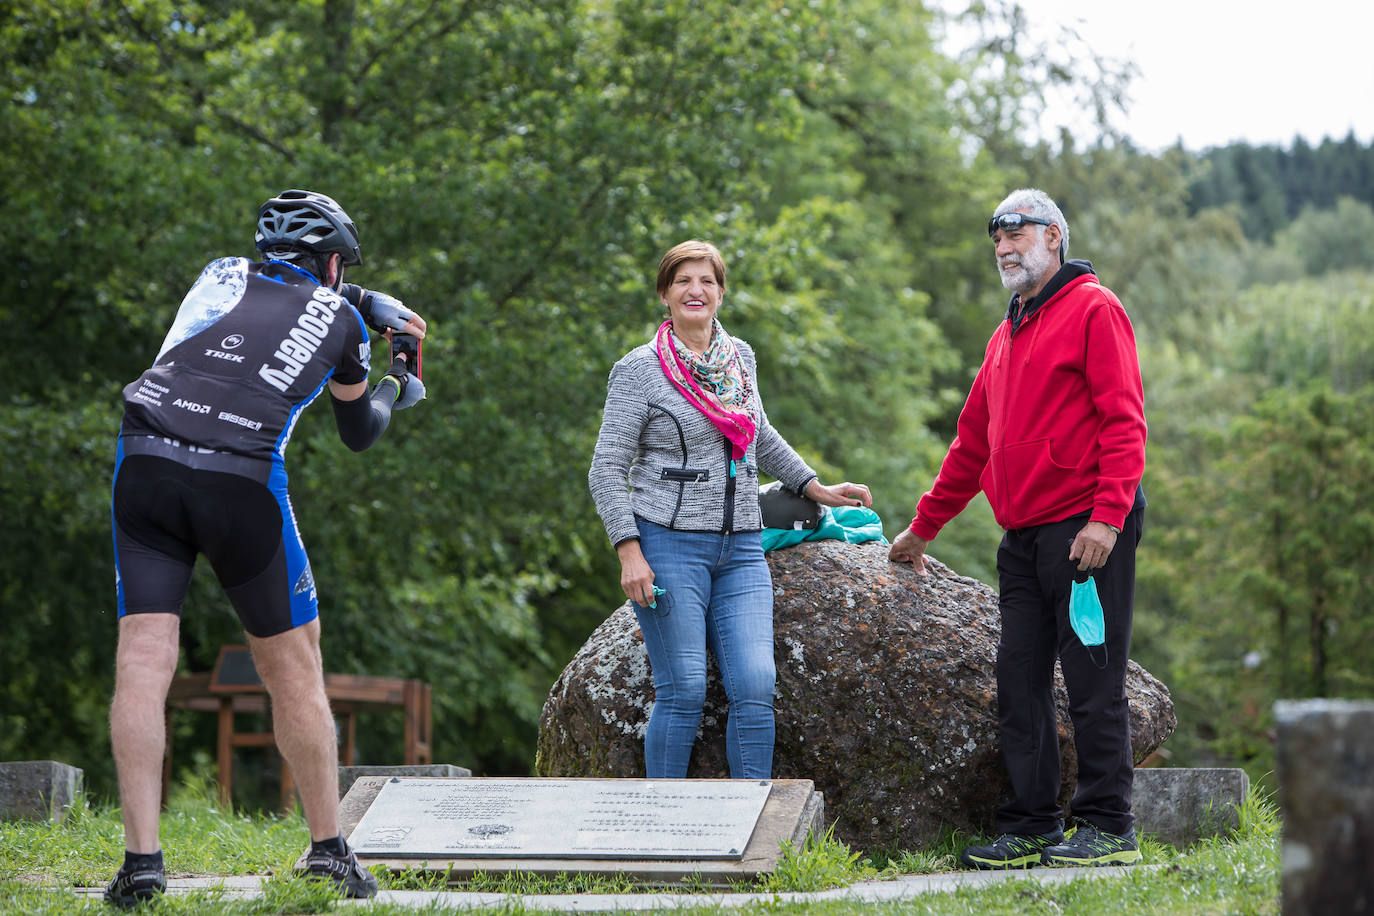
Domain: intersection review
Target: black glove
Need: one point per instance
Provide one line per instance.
(380, 311)
(412, 389)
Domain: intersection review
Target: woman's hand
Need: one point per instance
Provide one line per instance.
(636, 578)
(841, 494)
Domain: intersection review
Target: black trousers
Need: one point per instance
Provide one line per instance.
(1035, 576)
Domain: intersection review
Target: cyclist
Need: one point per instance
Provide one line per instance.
(200, 469)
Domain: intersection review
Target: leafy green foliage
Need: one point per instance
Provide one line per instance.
(515, 169)
(1254, 572)
(1244, 343)
(57, 588)
(1271, 186)
(1331, 239)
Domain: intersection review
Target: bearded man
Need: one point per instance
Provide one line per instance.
(1053, 432)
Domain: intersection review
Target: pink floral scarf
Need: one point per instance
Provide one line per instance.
(714, 383)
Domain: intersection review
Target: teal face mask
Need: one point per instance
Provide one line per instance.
(1085, 613)
(1085, 616)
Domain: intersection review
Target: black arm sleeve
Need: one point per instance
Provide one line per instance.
(362, 421)
(352, 292)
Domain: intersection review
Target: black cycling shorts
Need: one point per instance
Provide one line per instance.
(165, 512)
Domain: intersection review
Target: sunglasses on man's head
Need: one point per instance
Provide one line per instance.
(1009, 221)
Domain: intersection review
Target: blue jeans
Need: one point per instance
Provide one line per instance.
(718, 594)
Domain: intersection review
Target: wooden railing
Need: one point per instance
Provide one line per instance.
(233, 688)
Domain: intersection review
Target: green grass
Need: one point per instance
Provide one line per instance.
(42, 864)
(821, 863)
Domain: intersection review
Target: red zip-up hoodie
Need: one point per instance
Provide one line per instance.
(1054, 425)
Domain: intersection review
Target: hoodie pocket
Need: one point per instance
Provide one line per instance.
(1024, 478)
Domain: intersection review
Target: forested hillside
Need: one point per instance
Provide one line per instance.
(516, 169)
(1272, 186)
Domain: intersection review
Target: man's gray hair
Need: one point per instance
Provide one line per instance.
(1042, 206)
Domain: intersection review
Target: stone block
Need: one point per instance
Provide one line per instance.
(38, 789)
(349, 775)
(792, 811)
(1324, 756)
(1181, 805)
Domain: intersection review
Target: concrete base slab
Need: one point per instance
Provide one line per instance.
(231, 887)
(349, 775)
(38, 789)
(865, 892)
(794, 810)
(1181, 805)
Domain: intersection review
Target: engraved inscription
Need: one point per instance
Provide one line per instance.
(561, 818)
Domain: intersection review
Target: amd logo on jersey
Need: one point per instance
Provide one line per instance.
(191, 406)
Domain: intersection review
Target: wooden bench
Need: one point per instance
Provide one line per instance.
(233, 687)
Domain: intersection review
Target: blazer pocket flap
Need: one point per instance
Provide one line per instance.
(690, 475)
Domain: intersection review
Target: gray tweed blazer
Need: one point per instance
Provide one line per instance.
(658, 458)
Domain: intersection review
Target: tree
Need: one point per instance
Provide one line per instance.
(1300, 468)
(1252, 573)
(1270, 186)
(515, 170)
(1327, 240)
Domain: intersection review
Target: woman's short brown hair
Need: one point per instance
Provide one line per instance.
(691, 250)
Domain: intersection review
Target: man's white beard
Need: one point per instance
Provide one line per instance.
(1031, 268)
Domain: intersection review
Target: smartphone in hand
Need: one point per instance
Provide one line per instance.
(409, 346)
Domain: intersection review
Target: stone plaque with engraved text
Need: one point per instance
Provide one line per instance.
(561, 818)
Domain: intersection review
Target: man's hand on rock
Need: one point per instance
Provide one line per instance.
(908, 548)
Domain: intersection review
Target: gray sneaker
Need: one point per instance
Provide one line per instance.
(1091, 846)
(344, 871)
(132, 886)
(1011, 850)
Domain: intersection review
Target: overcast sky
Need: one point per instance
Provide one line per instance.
(1215, 71)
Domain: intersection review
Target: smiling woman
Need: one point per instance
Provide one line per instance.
(692, 290)
(675, 479)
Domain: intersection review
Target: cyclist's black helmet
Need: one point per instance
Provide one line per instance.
(309, 221)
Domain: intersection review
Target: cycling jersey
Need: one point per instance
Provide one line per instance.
(251, 346)
(200, 466)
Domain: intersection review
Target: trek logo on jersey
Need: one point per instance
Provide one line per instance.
(301, 342)
(232, 342)
(220, 354)
(191, 406)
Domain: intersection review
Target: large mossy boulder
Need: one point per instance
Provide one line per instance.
(886, 698)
